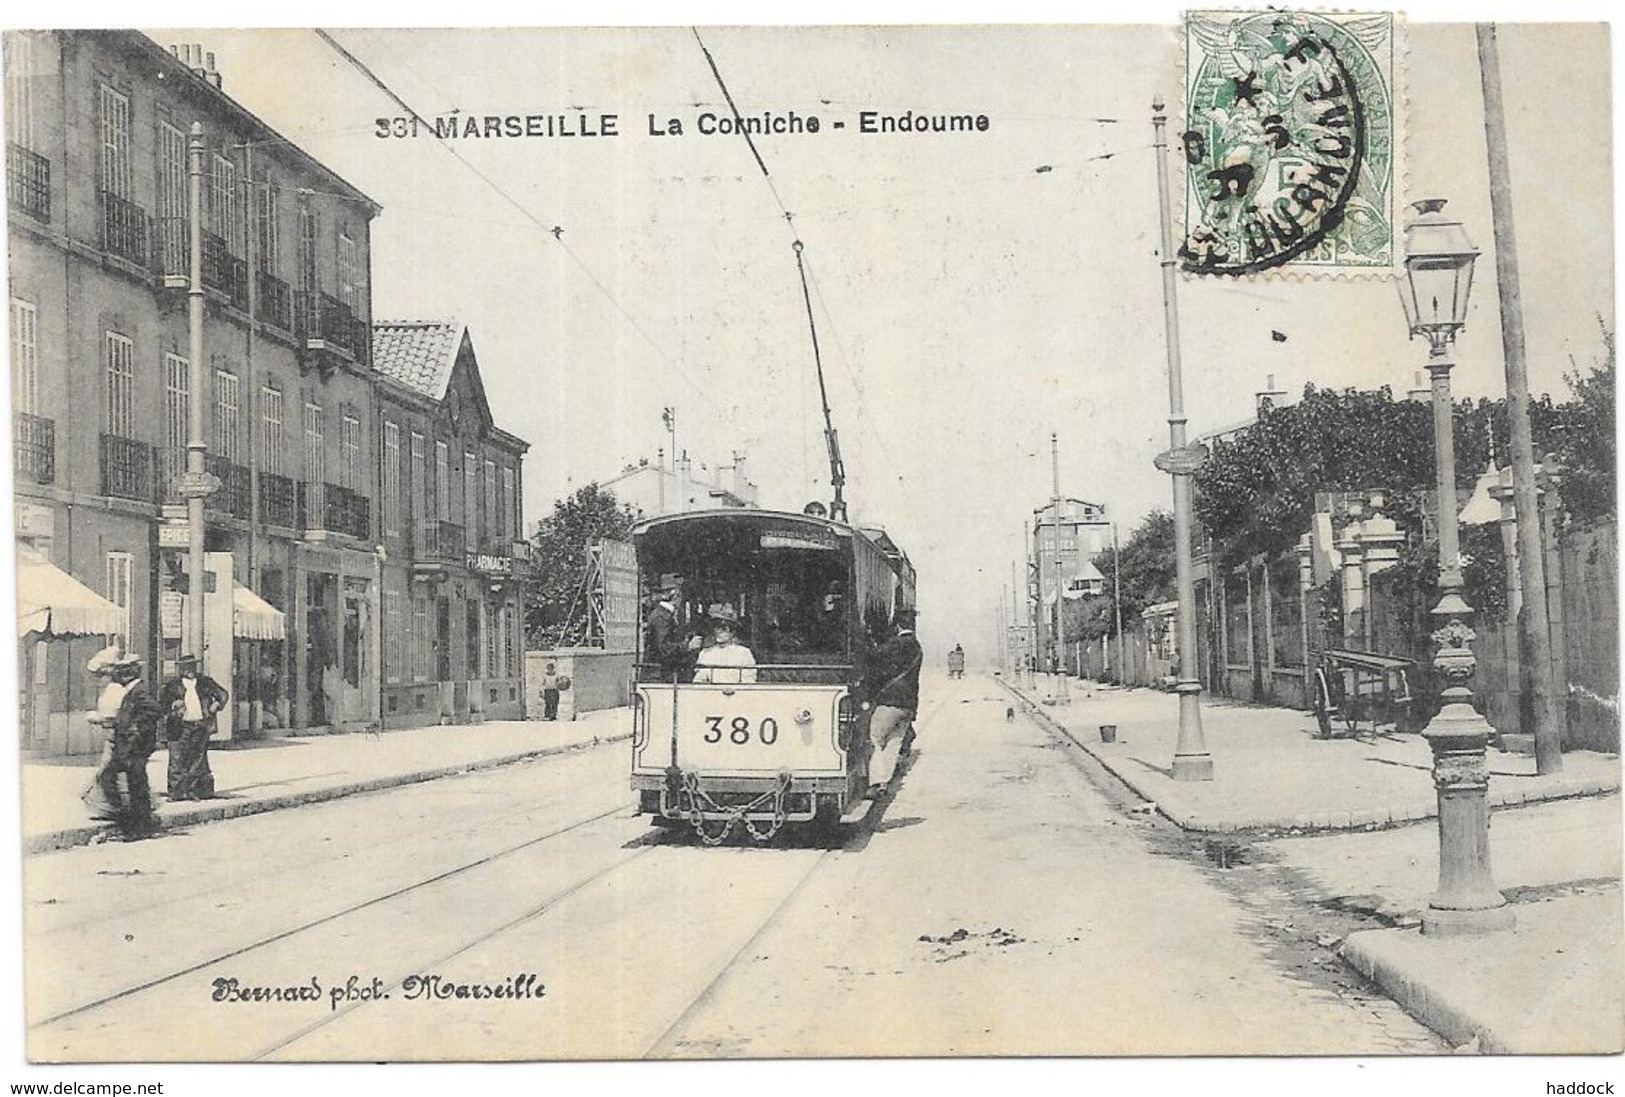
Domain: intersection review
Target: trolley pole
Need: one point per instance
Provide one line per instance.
(1061, 697)
(1192, 762)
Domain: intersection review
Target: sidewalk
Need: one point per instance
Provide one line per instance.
(263, 775)
(1347, 815)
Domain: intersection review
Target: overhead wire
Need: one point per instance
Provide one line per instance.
(553, 232)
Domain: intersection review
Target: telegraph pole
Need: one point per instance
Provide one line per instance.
(1192, 762)
(194, 485)
(1534, 625)
(1117, 606)
(1061, 697)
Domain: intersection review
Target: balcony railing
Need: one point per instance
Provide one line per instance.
(349, 512)
(173, 243)
(124, 228)
(235, 492)
(278, 501)
(33, 447)
(275, 304)
(324, 323)
(224, 272)
(28, 181)
(127, 468)
(437, 540)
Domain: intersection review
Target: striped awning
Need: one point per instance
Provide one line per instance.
(50, 602)
(253, 618)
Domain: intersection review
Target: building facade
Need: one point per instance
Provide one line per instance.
(674, 487)
(1064, 544)
(453, 550)
(99, 235)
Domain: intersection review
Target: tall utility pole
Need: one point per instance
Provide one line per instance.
(1117, 606)
(1192, 762)
(1534, 625)
(1061, 697)
(194, 485)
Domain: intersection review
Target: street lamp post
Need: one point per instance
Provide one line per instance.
(1192, 762)
(1438, 277)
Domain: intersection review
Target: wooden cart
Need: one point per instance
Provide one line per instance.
(1351, 688)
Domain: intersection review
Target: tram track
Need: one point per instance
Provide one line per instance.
(322, 921)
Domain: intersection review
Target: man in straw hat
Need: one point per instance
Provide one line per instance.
(134, 738)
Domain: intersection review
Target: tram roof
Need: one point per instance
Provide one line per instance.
(780, 518)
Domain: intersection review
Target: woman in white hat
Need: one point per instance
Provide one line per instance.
(724, 660)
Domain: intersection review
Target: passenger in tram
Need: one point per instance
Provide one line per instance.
(664, 645)
(725, 661)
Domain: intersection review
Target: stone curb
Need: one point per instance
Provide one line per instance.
(51, 841)
(1347, 820)
(1429, 1005)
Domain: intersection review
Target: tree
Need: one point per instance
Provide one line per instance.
(1585, 443)
(555, 591)
(1148, 574)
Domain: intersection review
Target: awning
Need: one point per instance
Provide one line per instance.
(51, 602)
(253, 618)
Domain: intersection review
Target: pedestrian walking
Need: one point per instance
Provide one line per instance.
(191, 703)
(135, 737)
(956, 662)
(102, 718)
(553, 685)
(892, 688)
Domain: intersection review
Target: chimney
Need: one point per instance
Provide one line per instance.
(1270, 393)
(210, 73)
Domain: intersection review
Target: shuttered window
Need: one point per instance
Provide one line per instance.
(120, 352)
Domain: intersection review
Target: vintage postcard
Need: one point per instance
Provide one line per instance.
(551, 544)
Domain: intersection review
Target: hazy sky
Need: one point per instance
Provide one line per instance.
(967, 303)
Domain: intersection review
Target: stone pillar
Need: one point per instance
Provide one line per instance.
(1306, 593)
(1379, 544)
(1352, 555)
(1514, 736)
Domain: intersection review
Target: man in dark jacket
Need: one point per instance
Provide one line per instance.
(892, 688)
(135, 737)
(663, 642)
(191, 704)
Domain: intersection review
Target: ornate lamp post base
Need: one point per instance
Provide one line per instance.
(1467, 901)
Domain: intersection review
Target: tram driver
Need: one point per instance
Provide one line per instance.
(724, 660)
(664, 644)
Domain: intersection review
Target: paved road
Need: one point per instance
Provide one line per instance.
(1000, 903)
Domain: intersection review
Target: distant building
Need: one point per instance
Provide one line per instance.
(660, 488)
(1063, 548)
(449, 516)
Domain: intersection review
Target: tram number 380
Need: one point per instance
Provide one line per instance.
(739, 731)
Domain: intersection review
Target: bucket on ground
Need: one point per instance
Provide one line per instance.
(1108, 733)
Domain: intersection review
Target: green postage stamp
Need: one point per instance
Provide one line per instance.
(1291, 142)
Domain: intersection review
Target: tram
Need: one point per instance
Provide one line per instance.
(785, 741)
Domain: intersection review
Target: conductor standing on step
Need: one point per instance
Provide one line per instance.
(892, 686)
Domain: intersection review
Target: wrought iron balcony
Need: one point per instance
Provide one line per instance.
(278, 501)
(28, 181)
(124, 228)
(275, 303)
(127, 468)
(33, 447)
(329, 331)
(224, 272)
(235, 487)
(174, 266)
(438, 541)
